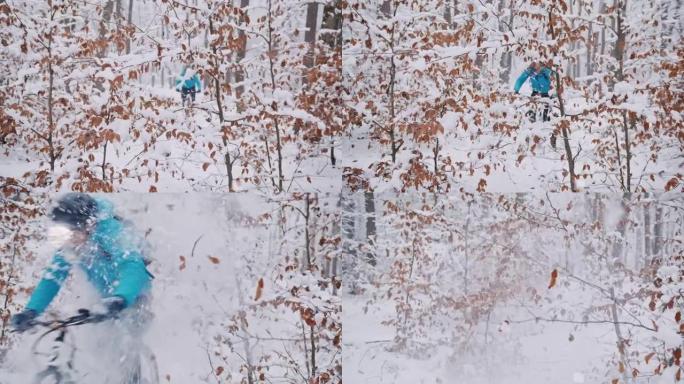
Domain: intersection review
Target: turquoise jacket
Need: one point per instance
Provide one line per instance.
(110, 258)
(540, 81)
(192, 82)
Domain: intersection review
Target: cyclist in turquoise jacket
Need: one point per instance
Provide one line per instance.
(188, 83)
(540, 80)
(97, 241)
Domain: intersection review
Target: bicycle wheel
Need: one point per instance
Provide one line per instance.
(52, 375)
(147, 371)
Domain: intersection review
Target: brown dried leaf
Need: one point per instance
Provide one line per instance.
(554, 276)
(259, 289)
(648, 357)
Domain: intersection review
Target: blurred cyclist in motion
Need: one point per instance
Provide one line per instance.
(87, 234)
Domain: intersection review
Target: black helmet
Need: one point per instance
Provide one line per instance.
(75, 210)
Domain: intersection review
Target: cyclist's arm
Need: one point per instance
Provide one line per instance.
(132, 277)
(49, 285)
(131, 274)
(521, 80)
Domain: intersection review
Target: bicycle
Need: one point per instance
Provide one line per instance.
(539, 103)
(187, 97)
(61, 370)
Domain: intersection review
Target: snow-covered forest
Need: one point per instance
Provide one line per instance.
(491, 189)
(526, 288)
(245, 290)
(89, 100)
(433, 108)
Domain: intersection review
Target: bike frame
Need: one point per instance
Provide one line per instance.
(55, 369)
(60, 372)
(536, 105)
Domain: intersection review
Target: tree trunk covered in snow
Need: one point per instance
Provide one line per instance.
(621, 342)
(276, 122)
(647, 234)
(466, 250)
(7, 286)
(350, 255)
(50, 105)
(240, 72)
(658, 232)
(106, 19)
(507, 56)
(369, 198)
(619, 53)
(130, 21)
(331, 35)
(578, 57)
(564, 125)
(332, 24)
(310, 35)
(246, 337)
(386, 8)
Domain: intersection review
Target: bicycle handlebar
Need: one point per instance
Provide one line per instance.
(84, 317)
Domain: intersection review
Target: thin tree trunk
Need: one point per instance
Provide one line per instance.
(647, 234)
(51, 119)
(130, 21)
(8, 285)
(333, 276)
(386, 8)
(307, 239)
(658, 232)
(628, 153)
(618, 53)
(219, 106)
(403, 331)
(279, 149)
(466, 252)
(229, 169)
(369, 198)
(332, 21)
(507, 57)
(578, 57)
(104, 163)
(106, 18)
(249, 358)
(310, 34)
(312, 339)
(240, 72)
(393, 74)
(347, 223)
(621, 345)
(268, 161)
(564, 129)
(590, 46)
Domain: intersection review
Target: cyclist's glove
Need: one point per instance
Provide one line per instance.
(114, 305)
(23, 320)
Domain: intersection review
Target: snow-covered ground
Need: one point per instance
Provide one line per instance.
(525, 353)
(476, 292)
